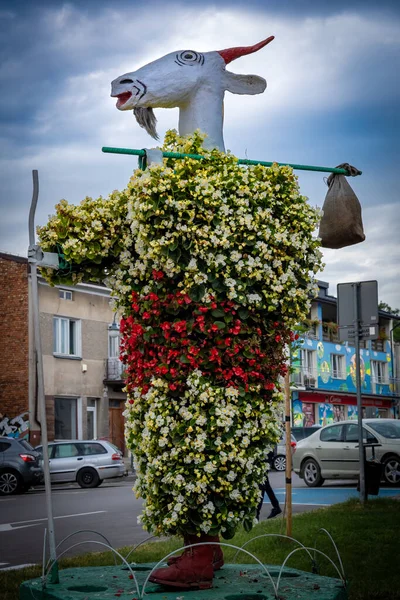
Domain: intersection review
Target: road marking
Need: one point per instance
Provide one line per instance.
(20, 524)
(16, 566)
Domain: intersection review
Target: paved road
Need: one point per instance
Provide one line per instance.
(112, 510)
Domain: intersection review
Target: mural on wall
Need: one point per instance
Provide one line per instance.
(16, 427)
(325, 414)
(352, 370)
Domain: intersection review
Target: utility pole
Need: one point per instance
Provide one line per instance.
(37, 257)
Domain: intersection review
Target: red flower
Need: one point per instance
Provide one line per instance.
(278, 338)
(157, 274)
(146, 315)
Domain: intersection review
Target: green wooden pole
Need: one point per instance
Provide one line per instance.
(241, 161)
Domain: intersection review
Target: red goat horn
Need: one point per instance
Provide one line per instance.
(232, 53)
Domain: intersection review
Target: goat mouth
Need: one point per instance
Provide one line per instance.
(123, 98)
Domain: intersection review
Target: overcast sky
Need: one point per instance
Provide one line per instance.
(332, 97)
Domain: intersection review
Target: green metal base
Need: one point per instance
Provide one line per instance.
(233, 582)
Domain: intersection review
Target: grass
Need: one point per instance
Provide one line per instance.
(367, 538)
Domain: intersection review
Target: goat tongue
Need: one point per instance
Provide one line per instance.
(122, 98)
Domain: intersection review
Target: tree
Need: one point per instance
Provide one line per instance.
(393, 311)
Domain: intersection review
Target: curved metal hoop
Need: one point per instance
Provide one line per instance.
(107, 546)
(139, 544)
(276, 535)
(212, 544)
(315, 550)
(323, 530)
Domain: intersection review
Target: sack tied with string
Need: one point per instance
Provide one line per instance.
(341, 224)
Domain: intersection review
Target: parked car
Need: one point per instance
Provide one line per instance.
(332, 452)
(88, 462)
(277, 459)
(302, 432)
(19, 466)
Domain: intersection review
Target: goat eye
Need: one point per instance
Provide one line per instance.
(126, 81)
(189, 57)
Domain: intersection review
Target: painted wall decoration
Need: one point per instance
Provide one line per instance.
(322, 357)
(15, 427)
(195, 82)
(303, 413)
(325, 414)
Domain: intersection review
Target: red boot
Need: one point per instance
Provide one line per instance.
(193, 569)
(218, 557)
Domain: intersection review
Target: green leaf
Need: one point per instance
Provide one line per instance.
(220, 324)
(248, 525)
(218, 286)
(217, 313)
(173, 246)
(228, 534)
(243, 313)
(197, 292)
(184, 359)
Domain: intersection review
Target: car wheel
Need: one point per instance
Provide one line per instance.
(312, 473)
(10, 483)
(87, 478)
(391, 470)
(279, 462)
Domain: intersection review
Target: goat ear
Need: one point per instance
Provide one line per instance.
(244, 84)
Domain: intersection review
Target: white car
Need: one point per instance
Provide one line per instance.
(332, 452)
(88, 462)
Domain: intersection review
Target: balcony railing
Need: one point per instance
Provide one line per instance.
(114, 369)
(305, 377)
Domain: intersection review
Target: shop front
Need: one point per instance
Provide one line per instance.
(321, 408)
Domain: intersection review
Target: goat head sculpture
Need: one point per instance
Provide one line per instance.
(194, 82)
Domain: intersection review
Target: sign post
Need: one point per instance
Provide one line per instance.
(358, 319)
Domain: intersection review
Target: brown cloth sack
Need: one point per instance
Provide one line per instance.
(341, 224)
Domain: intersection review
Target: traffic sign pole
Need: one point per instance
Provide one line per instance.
(356, 300)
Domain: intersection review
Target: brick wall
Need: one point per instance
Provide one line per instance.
(14, 348)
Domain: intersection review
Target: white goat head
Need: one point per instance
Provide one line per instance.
(193, 81)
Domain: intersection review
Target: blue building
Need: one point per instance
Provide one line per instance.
(323, 381)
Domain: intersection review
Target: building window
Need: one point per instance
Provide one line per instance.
(308, 368)
(66, 336)
(338, 368)
(379, 372)
(65, 294)
(113, 345)
(65, 418)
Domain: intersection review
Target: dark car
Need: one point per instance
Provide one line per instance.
(19, 466)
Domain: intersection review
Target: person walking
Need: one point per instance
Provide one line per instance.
(276, 509)
(265, 487)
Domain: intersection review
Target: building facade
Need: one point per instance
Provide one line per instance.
(324, 373)
(79, 338)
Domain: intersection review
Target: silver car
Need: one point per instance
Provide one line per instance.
(278, 457)
(88, 462)
(332, 452)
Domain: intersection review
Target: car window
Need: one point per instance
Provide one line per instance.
(4, 446)
(388, 430)
(332, 434)
(90, 448)
(351, 434)
(65, 451)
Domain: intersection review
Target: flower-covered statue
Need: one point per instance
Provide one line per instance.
(211, 267)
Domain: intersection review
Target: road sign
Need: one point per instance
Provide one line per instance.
(369, 332)
(368, 303)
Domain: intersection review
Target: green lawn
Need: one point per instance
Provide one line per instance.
(367, 538)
